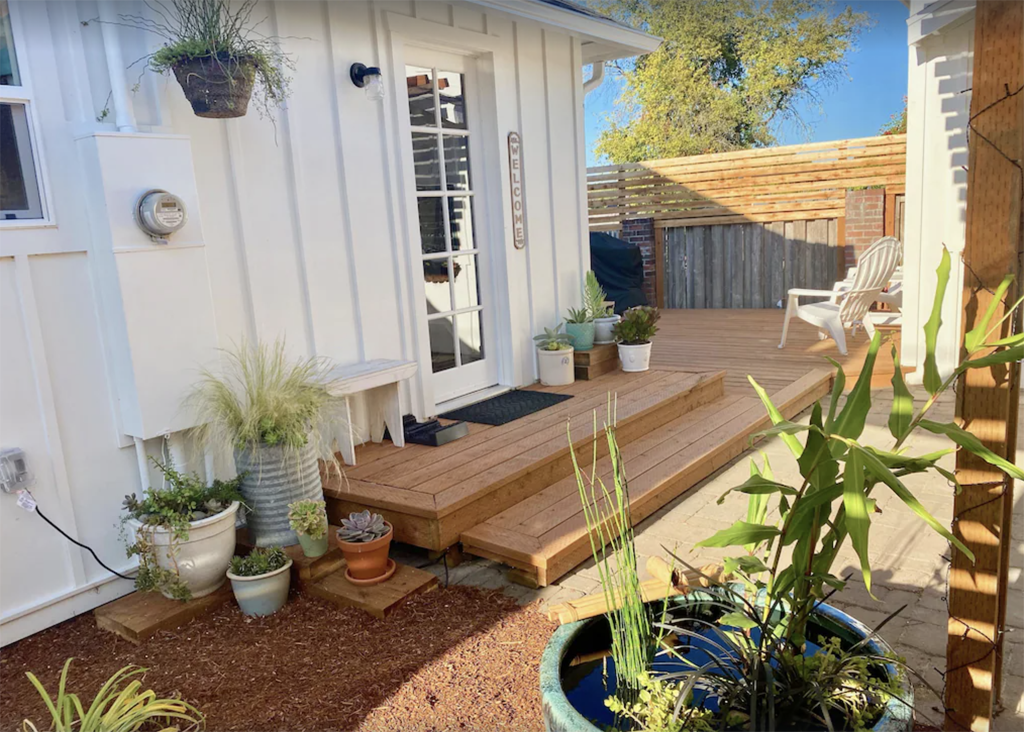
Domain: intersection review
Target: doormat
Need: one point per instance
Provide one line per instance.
(506, 407)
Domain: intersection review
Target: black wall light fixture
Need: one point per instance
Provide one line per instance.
(368, 78)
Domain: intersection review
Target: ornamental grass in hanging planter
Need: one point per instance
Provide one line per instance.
(218, 56)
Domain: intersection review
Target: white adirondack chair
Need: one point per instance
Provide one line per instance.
(847, 308)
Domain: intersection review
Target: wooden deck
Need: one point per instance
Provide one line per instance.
(508, 492)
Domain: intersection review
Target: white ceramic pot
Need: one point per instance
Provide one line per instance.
(263, 594)
(603, 329)
(557, 368)
(204, 557)
(635, 358)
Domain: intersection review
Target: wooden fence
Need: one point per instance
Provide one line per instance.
(793, 183)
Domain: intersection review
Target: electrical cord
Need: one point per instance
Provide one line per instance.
(78, 543)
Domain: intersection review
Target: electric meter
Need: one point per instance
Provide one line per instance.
(160, 214)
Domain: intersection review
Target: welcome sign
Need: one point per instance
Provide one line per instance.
(515, 171)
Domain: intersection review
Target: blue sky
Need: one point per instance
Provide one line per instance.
(855, 107)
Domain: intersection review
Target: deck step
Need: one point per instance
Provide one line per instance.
(545, 535)
(599, 360)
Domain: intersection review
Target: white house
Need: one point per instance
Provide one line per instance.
(320, 227)
(940, 37)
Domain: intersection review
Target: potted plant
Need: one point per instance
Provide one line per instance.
(760, 648)
(218, 55)
(555, 357)
(579, 326)
(272, 412)
(633, 334)
(183, 534)
(308, 519)
(260, 580)
(602, 311)
(365, 539)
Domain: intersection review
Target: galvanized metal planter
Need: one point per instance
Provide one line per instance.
(276, 476)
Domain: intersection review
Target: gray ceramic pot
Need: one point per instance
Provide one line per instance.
(275, 477)
(263, 594)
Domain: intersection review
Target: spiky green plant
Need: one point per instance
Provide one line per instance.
(578, 315)
(114, 709)
(553, 339)
(610, 529)
(594, 297)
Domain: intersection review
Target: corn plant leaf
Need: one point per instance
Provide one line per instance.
(902, 401)
(784, 427)
(975, 338)
(858, 517)
(910, 463)
(1008, 355)
(850, 422)
(816, 462)
(838, 384)
(969, 442)
(737, 620)
(932, 379)
(757, 486)
(738, 534)
(748, 565)
(776, 416)
(877, 470)
(1010, 340)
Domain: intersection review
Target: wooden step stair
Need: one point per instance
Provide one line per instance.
(599, 360)
(545, 535)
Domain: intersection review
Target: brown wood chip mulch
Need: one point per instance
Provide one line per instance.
(453, 659)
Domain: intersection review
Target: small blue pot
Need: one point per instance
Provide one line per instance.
(561, 716)
(263, 594)
(582, 335)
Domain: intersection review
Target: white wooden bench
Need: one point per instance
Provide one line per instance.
(379, 379)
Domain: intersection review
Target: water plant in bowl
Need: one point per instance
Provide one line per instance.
(365, 540)
(555, 361)
(762, 649)
(274, 412)
(579, 325)
(260, 580)
(183, 533)
(308, 519)
(633, 333)
(596, 302)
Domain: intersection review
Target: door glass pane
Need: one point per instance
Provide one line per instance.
(425, 162)
(19, 194)
(431, 225)
(435, 285)
(442, 343)
(460, 215)
(456, 162)
(471, 337)
(467, 288)
(9, 75)
(419, 82)
(453, 102)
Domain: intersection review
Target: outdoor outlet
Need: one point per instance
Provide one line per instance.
(14, 472)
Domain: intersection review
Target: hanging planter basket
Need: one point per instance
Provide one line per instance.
(216, 87)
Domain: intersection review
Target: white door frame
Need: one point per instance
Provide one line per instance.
(493, 63)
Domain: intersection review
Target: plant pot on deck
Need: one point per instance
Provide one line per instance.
(203, 558)
(217, 87)
(582, 335)
(311, 547)
(368, 561)
(561, 671)
(262, 594)
(603, 329)
(635, 357)
(557, 368)
(275, 477)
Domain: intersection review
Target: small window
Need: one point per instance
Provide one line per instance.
(9, 75)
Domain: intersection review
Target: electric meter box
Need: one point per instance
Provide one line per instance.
(149, 257)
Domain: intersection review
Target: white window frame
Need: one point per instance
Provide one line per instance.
(24, 95)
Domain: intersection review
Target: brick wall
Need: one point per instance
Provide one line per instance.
(865, 221)
(641, 233)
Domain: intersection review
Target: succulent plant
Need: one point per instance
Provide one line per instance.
(362, 527)
(308, 517)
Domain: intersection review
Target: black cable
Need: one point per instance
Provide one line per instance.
(75, 541)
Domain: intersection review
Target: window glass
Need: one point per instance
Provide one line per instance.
(442, 343)
(456, 162)
(426, 161)
(419, 83)
(19, 193)
(9, 75)
(453, 102)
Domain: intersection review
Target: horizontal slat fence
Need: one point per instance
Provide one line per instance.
(748, 265)
(792, 183)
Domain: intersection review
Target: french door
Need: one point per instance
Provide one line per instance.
(452, 253)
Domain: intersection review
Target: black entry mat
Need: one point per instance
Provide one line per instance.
(506, 407)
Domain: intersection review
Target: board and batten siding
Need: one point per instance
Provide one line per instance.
(304, 234)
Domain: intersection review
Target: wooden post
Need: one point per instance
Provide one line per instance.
(659, 265)
(987, 399)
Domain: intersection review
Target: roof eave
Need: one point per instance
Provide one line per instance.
(603, 40)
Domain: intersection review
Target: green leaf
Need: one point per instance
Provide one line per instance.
(738, 534)
(776, 416)
(975, 338)
(784, 428)
(838, 384)
(858, 518)
(816, 462)
(850, 422)
(737, 620)
(971, 443)
(932, 379)
(763, 487)
(902, 400)
(1009, 355)
(747, 565)
(874, 466)
(1011, 340)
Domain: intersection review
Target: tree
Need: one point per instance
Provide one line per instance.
(728, 73)
(897, 124)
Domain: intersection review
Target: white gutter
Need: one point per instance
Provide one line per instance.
(596, 78)
(124, 115)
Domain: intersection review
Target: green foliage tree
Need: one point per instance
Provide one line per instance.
(897, 124)
(727, 74)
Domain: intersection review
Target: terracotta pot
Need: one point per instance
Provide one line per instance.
(368, 559)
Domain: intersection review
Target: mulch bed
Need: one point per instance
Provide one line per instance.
(453, 659)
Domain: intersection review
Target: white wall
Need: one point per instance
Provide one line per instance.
(303, 237)
(941, 39)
